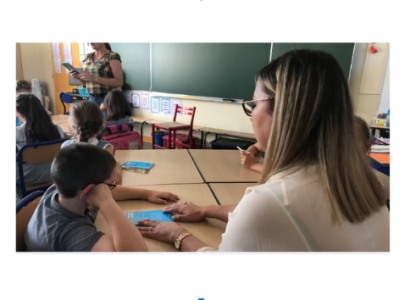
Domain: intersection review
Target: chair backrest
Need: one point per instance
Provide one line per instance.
(66, 98)
(25, 209)
(185, 111)
(36, 153)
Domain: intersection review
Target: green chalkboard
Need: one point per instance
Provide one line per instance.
(135, 64)
(343, 52)
(224, 70)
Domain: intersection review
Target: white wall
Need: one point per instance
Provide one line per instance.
(384, 103)
(36, 63)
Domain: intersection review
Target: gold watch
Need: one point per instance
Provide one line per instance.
(180, 239)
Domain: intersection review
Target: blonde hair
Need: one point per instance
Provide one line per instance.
(313, 124)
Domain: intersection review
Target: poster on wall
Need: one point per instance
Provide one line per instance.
(174, 102)
(136, 100)
(155, 105)
(165, 106)
(144, 103)
(67, 55)
(128, 96)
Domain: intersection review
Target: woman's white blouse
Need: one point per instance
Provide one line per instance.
(291, 212)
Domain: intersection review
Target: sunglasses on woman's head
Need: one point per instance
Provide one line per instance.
(110, 186)
(248, 105)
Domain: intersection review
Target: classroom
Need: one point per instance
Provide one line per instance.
(229, 147)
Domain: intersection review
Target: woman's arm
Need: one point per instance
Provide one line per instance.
(76, 76)
(254, 149)
(117, 81)
(190, 212)
(168, 232)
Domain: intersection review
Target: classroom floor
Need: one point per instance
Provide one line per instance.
(147, 145)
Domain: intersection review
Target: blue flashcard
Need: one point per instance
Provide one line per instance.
(166, 106)
(156, 215)
(137, 164)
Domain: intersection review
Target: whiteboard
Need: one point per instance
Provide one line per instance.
(384, 103)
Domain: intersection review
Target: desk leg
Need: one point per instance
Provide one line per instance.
(204, 140)
(141, 131)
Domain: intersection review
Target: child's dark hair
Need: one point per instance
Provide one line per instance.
(117, 106)
(78, 165)
(87, 118)
(23, 85)
(363, 133)
(38, 126)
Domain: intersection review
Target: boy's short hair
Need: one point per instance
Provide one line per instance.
(79, 164)
(23, 85)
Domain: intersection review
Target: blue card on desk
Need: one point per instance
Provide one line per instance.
(136, 164)
(156, 215)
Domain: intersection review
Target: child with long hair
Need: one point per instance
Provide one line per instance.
(117, 109)
(37, 127)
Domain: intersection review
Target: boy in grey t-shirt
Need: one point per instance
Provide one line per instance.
(84, 177)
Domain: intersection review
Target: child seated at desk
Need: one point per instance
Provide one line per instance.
(248, 159)
(24, 87)
(85, 182)
(86, 121)
(37, 127)
(117, 109)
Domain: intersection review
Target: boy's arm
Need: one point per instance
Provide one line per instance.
(129, 193)
(124, 234)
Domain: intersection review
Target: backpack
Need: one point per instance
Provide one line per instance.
(126, 140)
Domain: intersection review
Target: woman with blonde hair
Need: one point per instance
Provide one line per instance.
(316, 193)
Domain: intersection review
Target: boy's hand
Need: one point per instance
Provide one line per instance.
(247, 159)
(161, 197)
(188, 212)
(98, 195)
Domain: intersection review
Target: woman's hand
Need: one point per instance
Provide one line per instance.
(74, 75)
(247, 159)
(161, 197)
(161, 231)
(86, 76)
(188, 212)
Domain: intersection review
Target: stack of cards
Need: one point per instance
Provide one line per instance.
(156, 215)
(137, 167)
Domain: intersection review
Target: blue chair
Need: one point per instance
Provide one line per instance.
(66, 98)
(25, 209)
(380, 168)
(36, 153)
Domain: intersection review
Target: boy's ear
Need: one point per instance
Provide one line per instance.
(86, 190)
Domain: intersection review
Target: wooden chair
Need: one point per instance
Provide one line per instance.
(25, 209)
(172, 127)
(66, 98)
(36, 153)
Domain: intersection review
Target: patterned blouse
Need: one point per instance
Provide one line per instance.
(100, 68)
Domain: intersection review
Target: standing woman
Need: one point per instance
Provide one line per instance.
(102, 72)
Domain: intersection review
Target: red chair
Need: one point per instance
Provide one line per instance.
(172, 127)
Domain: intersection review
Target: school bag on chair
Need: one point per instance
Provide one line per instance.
(122, 137)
